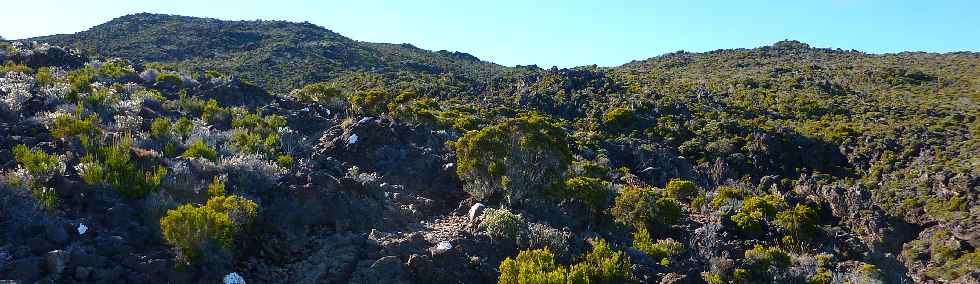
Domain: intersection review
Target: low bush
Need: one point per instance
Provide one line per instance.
(42, 166)
(502, 224)
(194, 230)
(661, 250)
(756, 212)
(594, 193)
(642, 207)
(69, 126)
(199, 149)
(118, 169)
(762, 263)
(681, 189)
(800, 222)
(513, 159)
(601, 265)
(161, 128)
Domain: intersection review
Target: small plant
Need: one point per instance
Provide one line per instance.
(756, 211)
(198, 149)
(502, 224)
(761, 262)
(191, 229)
(726, 195)
(217, 187)
(240, 211)
(246, 142)
(532, 266)
(161, 128)
(681, 189)
(183, 127)
(619, 118)
(41, 165)
(169, 79)
(592, 192)
(121, 172)
(285, 161)
(642, 207)
(601, 265)
(68, 126)
(800, 221)
(194, 230)
(371, 102)
(660, 250)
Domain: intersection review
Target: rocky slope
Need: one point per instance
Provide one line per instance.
(160, 161)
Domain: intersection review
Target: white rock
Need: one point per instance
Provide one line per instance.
(475, 211)
(352, 139)
(234, 278)
(82, 229)
(448, 166)
(441, 248)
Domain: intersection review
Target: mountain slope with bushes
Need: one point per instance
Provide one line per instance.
(158, 148)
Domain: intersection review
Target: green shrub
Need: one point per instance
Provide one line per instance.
(246, 141)
(285, 161)
(121, 173)
(660, 250)
(323, 93)
(760, 262)
(955, 268)
(619, 118)
(41, 165)
(592, 192)
(199, 149)
(10, 66)
(183, 127)
(169, 79)
(533, 266)
(44, 77)
(213, 113)
(193, 230)
(68, 126)
(800, 221)
(240, 211)
(161, 128)
(601, 265)
(756, 211)
(514, 158)
(725, 195)
(502, 224)
(642, 207)
(217, 187)
(681, 189)
(371, 102)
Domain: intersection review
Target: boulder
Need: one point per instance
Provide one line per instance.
(56, 261)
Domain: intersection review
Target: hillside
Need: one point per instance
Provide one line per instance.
(274, 54)
(184, 149)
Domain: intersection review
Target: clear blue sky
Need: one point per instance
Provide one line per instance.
(563, 33)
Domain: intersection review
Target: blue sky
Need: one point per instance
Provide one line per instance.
(563, 33)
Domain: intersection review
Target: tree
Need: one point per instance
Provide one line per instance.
(513, 158)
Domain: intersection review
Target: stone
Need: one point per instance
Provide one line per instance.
(57, 260)
(441, 248)
(233, 278)
(475, 211)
